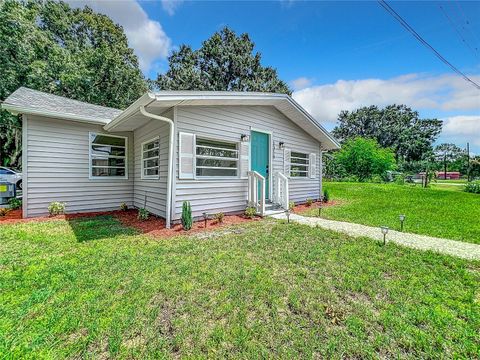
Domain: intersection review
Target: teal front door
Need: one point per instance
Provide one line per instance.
(260, 143)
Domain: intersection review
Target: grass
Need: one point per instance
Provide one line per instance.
(456, 181)
(447, 186)
(434, 211)
(90, 288)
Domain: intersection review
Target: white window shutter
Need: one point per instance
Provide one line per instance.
(244, 159)
(287, 154)
(312, 168)
(186, 152)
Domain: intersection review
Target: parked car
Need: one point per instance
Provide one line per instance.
(11, 176)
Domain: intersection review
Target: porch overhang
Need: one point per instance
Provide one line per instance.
(131, 118)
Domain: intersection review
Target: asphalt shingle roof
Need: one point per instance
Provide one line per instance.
(38, 101)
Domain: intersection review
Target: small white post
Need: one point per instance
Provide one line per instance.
(262, 197)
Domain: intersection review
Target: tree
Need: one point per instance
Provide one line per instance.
(364, 158)
(224, 62)
(396, 126)
(475, 167)
(48, 46)
(450, 156)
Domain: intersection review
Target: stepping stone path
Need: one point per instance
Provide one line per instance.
(422, 242)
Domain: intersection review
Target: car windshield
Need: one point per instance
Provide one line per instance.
(5, 171)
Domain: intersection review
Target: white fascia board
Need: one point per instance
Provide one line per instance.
(15, 110)
(219, 96)
(143, 100)
(180, 96)
(316, 123)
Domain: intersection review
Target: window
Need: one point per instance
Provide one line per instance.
(299, 164)
(216, 158)
(108, 156)
(150, 159)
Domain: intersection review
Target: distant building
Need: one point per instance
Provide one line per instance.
(451, 175)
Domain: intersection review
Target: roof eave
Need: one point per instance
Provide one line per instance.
(15, 110)
(335, 143)
(149, 97)
(143, 100)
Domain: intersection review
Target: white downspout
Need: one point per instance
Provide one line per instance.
(170, 162)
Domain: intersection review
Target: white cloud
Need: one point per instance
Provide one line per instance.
(145, 36)
(443, 92)
(462, 128)
(301, 83)
(170, 6)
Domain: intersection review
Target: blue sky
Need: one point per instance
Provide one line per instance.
(335, 55)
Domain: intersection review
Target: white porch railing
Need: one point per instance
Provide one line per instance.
(254, 198)
(281, 196)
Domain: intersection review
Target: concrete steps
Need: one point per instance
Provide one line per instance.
(273, 209)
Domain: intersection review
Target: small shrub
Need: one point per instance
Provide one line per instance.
(473, 187)
(186, 215)
(326, 196)
(291, 205)
(123, 206)
(309, 202)
(56, 208)
(143, 214)
(250, 212)
(219, 217)
(15, 203)
(4, 211)
(377, 179)
(399, 180)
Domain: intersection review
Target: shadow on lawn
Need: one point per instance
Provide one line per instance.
(97, 228)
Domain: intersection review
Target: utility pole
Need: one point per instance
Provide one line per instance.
(468, 162)
(445, 166)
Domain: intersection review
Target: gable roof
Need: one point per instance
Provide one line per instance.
(28, 101)
(131, 118)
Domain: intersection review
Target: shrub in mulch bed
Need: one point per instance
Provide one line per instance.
(154, 226)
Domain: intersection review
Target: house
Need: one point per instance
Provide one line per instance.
(218, 150)
(449, 175)
(441, 175)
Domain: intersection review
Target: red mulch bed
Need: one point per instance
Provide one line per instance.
(303, 207)
(15, 216)
(154, 226)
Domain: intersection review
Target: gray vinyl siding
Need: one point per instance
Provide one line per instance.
(156, 189)
(229, 123)
(57, 169)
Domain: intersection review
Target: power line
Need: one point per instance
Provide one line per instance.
(461, 12)
(462, 39)
(397, 17)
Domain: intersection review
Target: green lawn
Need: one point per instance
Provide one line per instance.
(446, 213)
(459, 181)
(90, 288)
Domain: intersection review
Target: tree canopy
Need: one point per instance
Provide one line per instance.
(48, 46)
(363, 158)
(396, 126)
(449, 157)
(225, 62)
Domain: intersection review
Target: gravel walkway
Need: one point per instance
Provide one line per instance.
(422, 242)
